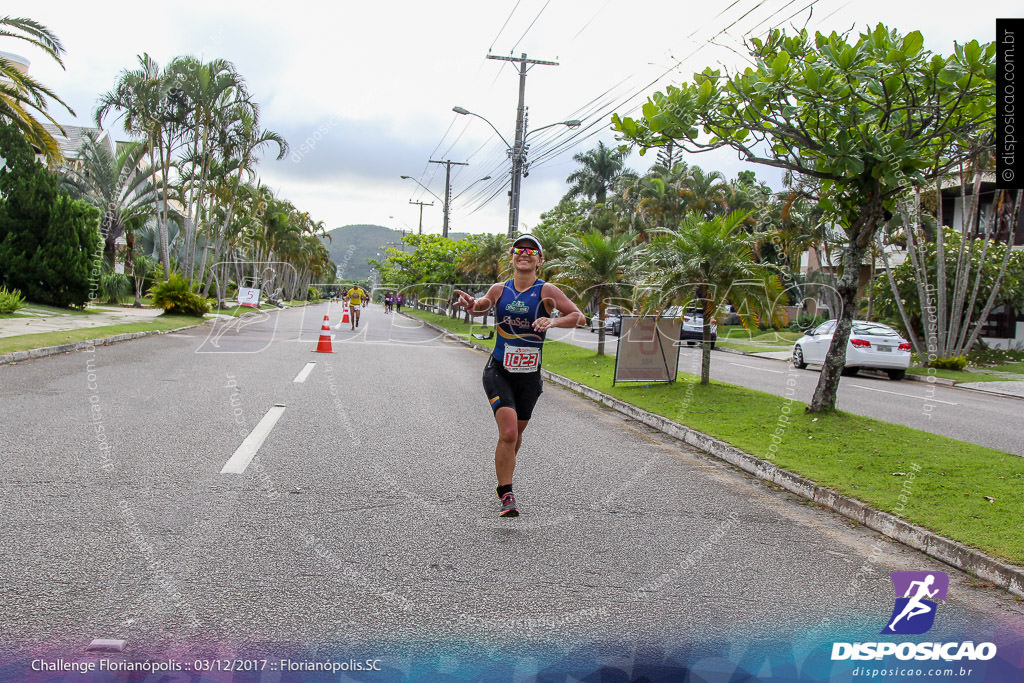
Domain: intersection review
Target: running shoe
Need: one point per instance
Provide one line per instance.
(508, 506)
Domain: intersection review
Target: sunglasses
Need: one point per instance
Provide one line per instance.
(525, 251)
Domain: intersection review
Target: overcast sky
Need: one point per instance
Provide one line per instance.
(369, 87)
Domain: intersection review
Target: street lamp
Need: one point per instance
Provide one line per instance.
(517, 153)
(409, 177)
(478, 180)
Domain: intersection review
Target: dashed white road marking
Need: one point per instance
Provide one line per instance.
(897, 393)
(754, 367)
(237, 463)
(304, 373)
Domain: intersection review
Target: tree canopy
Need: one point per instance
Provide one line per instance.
(866, 118)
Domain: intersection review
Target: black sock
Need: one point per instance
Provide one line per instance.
(503, 489)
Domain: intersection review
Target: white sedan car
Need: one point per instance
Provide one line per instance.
(872, 345)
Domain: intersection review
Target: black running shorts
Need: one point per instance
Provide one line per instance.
(516, 390)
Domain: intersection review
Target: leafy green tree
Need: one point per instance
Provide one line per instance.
(47, 239)
(711, 262)
(21, 95)
(428, 270)
(868, 118)
(599, 267)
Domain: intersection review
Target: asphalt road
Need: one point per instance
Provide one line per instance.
(975, 417)
(368, 522)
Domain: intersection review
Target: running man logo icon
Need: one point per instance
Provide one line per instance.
(917, 594)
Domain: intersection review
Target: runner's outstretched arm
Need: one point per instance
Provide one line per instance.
(483, 304)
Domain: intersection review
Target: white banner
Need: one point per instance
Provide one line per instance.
(249, 297)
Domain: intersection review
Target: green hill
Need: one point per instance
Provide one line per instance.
(351, 245)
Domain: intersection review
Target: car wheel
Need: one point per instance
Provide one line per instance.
(798, 358)
(617, 330)
(896, 374)
(849, 372)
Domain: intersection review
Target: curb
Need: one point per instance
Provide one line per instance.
(43, 351)
(951, 552)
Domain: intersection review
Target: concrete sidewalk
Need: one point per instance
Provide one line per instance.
(96, 316)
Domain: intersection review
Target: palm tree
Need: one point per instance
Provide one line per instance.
(152, 108)
(705, 193)
(21, 96)
(600, 266)
(601, 168)
(242, 141)
(114, 183)
(210, 91)
(711, 261)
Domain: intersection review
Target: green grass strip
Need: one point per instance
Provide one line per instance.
(750, 348)
(857, 456)
(955, 375)
(24, 342)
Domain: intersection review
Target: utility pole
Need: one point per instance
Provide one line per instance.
(447, 188)
(518, 152)
(422, 204)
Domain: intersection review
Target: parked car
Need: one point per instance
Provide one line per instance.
(692, 329)
(612, 322)
(872, 346)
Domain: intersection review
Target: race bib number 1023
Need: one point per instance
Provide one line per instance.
(521, 358)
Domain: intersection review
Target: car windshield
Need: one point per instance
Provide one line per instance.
(875, 329)
(825, 328)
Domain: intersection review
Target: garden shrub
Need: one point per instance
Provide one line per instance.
(951, 363)
(10, 300)
(175, 295)
(114, 286)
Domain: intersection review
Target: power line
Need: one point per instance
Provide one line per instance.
(529, 27)
(586, 132)
(507, 19)
(582, 131)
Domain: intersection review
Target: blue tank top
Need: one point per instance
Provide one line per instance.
(518, 346)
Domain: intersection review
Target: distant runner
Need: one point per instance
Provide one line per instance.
(512, 378)
(356, 295)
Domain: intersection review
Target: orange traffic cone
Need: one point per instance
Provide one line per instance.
(344, 315)
(324, 345)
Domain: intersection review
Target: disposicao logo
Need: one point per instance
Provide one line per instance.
(917, 598)
(917, 595)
